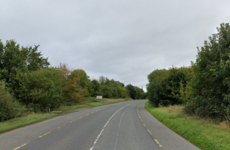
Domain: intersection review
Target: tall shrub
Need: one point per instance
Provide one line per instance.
(41, 89)
(9, 107)
(164, 86)
(211, 82)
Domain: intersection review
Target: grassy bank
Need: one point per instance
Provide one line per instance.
(203, 133)
(24, 121)
(86, 102)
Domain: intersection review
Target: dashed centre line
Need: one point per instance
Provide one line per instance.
(44, 134)
(20, 147)
(58, 128)
(147, 129)
(150, 132)
(158, 143)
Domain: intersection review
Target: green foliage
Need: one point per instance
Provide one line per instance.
(107, 91)
(211, 82)
(41, 89)
(94, 88)
(155, 88)
(10, 108)
(84, 81)
(166, 87)
(110, 88)
(71, 88)
(135, 92)
(73, 92)
(132, 91)
(16, 59)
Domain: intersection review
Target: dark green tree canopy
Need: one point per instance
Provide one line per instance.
(15, 58)
(211, 82)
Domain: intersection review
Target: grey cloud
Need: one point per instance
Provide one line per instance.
(122, 39)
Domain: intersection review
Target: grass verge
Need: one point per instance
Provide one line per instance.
(203, 133)
(88, 102)
(24, 121)
(34, 118)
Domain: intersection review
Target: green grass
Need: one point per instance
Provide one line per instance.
(68, 108)
(202, 133)
(34, 118)
(24, 121)
(87, 102)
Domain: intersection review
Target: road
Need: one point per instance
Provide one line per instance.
(120, 126)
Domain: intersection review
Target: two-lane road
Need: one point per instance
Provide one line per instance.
(121, 126)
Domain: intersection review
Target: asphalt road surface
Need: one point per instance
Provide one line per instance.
(120, 126)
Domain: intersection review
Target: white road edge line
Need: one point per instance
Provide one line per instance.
(95, 142)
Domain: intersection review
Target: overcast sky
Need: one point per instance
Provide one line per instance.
(121, 39)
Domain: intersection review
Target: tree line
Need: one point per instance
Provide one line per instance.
(29, 84)
(204, 87)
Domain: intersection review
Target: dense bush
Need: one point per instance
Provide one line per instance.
(9, 107)
(166, 86)
(135, 92)
(72, 90)
(41, 89)
(211, 82)
(156, 92)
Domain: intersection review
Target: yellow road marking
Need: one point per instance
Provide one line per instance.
(71, 121)
(19, 147)
(44, 134)
(81, 117)
(87, 115)
(149, 132)
(92, 112)
(61, 126)
(158, 143)
(146, 127)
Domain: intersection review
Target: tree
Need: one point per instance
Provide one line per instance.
(16, 59)
(72, 90)
(95, 86)
(132, 91)
(211, 83)
(155, 87)
(41, 90)
(84, 81)
(164, 86)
